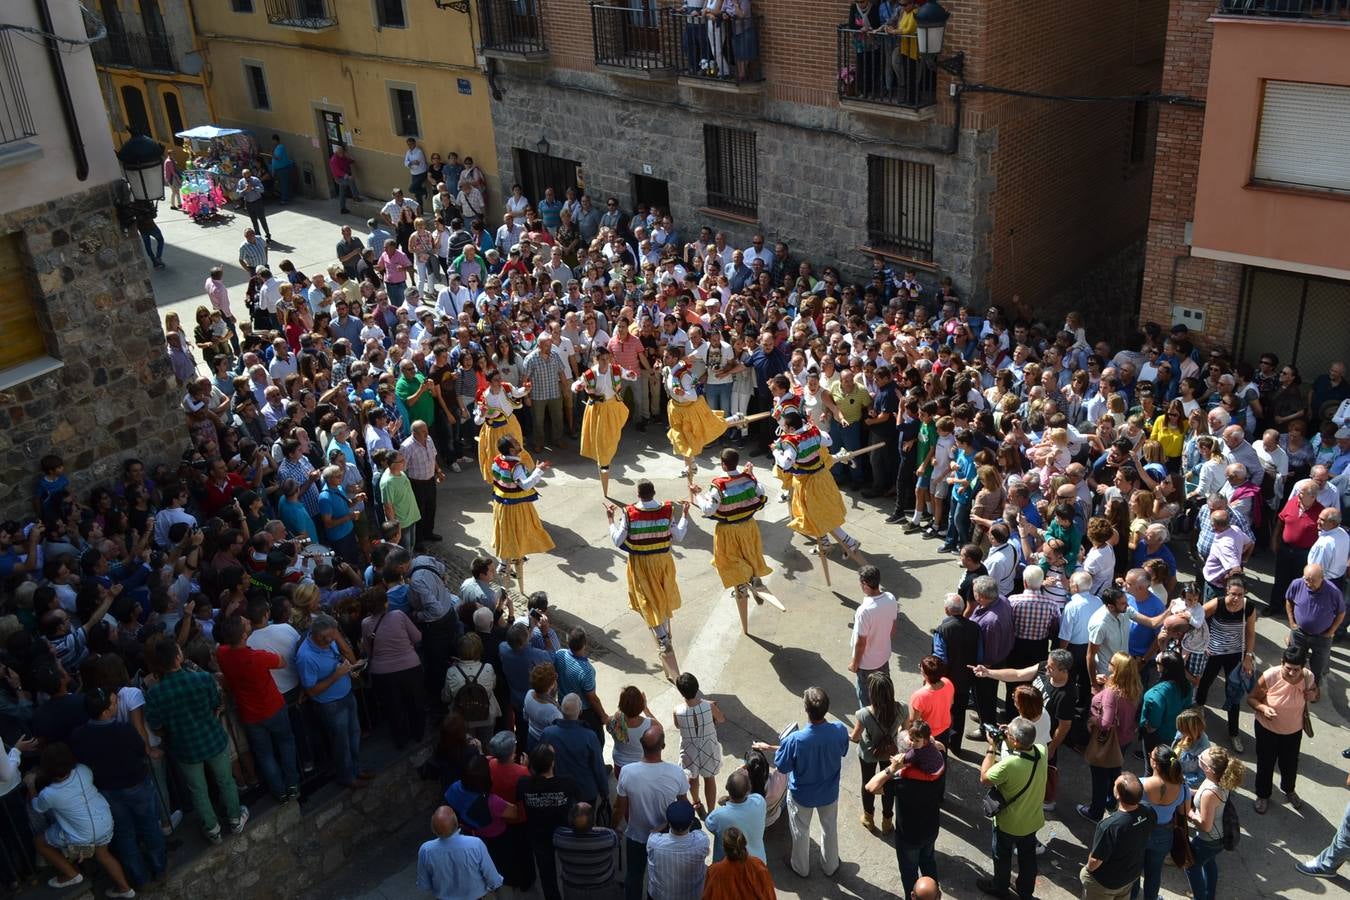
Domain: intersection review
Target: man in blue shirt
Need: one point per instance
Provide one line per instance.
(453, 865)
(338, 518)
(767, 361)
(812, 757)
(1144, 602)
(325, 674)
(578, 752)
(576, 675)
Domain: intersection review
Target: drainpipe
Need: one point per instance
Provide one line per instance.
(63, 93)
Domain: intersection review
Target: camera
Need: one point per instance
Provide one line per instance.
(998, 732)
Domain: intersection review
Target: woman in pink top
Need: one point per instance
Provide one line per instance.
(394, 266)
(1113, 723)
(933, 701)
(1279, 698)
(389, 641)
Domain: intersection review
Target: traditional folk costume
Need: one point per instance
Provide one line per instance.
(732, 500)
(516, 529)
(605, 414)
(817, 506)
(693, 425)
(646, 530)
(495, 412)
(788, 401)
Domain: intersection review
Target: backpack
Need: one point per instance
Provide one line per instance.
(472, 702)
(1232, 829)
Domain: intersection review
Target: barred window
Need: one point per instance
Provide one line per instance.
(729, 159)
(900, 207)
(404, 108)
(257, 86)
(390, 14)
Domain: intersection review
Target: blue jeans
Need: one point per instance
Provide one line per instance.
(343, 725)
(1025, 846)
(137, 839)
(719, 397)
(346, 188)
(915, 860)
(282, 179)
(152, 232)
(1204, 875)
(958, 530)
(861, 682)
(1155, 854)
(273, 745)
(1338, 851)
(396, 292)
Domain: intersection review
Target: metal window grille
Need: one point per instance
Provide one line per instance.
(315, 14)
(390, 14)
(242, 6)
(405, 112)
(16, 119)
(257, 86)
(729, 158)
(173, 112)
(509, 25)
(900, 207)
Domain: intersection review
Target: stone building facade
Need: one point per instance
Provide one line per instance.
(1032, 199)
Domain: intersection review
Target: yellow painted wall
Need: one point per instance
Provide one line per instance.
(348, 69)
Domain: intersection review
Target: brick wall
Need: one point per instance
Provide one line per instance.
(114, 396)
(1171, 274)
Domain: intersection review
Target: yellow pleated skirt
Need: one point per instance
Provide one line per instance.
(784, 478)
(517, 531)
(652, 591)
(693, 426)
(600, 428)
(487, 445)
(738, 552)
(817, 506)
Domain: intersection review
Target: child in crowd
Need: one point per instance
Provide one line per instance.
(697, 719)
(1190, 742)
(923, 761)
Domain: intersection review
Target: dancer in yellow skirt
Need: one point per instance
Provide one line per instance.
(646, 530)
(605, 411)
(495, 412)
(516, 529)
(786, 399)
(732, 499)
(693, 425)
(817, 506)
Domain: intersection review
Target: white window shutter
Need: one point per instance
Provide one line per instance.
(1305, 136)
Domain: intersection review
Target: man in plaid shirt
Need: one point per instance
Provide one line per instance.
(184, 706)
(1035, 616)
(548, 375)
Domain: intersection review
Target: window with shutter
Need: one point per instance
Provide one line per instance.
(1305, 137)
(21, 337)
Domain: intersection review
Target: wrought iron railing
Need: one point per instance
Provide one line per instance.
(314, 14)
(643, 39)
(16, 119)
(883, 69)
(1286, 9)
(512, 26)
(152, 52)
(723, 49)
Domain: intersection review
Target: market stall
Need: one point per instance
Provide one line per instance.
(215, 156)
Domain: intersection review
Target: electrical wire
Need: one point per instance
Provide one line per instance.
(1169, 99)
(40, 37)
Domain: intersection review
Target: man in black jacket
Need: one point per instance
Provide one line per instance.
(956, 641)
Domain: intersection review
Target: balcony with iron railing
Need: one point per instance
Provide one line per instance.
(883, 74)
(640, 43)
(718, 54)
(126, 50)
(512, 29)
(16, 119)
(311, 15)
(1334, 10)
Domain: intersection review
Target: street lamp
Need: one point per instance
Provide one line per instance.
(143, 167)
(931, 19)
(543, 145)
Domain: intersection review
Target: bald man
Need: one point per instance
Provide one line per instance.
(453, 865)
(926, 889)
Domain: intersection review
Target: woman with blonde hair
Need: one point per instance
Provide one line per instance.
(1223, 773)
(1113, 723)
(740, 875)
(1190, 742)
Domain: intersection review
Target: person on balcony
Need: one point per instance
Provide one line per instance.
(744, 38)
(865, 20)
(904, 55)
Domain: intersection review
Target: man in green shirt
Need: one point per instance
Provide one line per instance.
(396, 493)
(853, 401)
(184, 706)
(416, 393)
(1019, 772)
(923, 456)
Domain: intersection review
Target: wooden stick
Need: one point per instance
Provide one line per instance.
(823, 551)
(849, 455)
(748, 420)
(520, 576)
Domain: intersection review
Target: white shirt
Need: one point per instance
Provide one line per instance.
(1100, 563)
(279, 368)
(415, 161)
(507, 236)
(650, 788)
(1330, 551)
(1329, 495)
(604, 381)
(751, 254)
(281, 639)
(618, 533)
(874, 621)
(167, 518)
(394, 209)
(516, 206)
(451, 303)
(269, 293)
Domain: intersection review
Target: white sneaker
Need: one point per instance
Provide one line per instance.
(1048, 807)
(237, 826)
(454, 467)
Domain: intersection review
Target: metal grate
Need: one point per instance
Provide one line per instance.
(152, 52)
(512, 25)
(257, 86)
(405, 112)
(881, 68)
(900, 207)
(642, 38)
(731, 167)
(16, 120)
(1288, 9)
(1302, 319)
(312, 14)
(391, 14)
(725, 49)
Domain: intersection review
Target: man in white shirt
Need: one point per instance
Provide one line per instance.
(1332, 547)
(645, 791)
(452, 298)
(873, 625)
(676, 866)
(509, 233)
(1002, 559)
(415, 161)
(280, 638)
(757, 251)
(1327, 493)
(393, 211)
(283, 363)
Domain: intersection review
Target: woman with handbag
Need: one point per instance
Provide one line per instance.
(1165, 792)
(1112, 725)
(1223, 773)
(875, 728)
(1280, 698)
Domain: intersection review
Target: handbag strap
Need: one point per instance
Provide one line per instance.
(1035, 761)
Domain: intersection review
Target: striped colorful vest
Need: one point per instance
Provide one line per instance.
(789, 402)
(649, 529)
(593, 382)
(740, 500)
(807, 443)
(505, 488)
